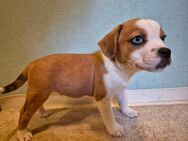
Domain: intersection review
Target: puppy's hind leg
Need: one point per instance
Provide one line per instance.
(44, 113)
(32, 103)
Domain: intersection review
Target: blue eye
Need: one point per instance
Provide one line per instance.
(138, 40)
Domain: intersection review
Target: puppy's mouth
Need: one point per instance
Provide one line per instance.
(163, 63)
(149, 66)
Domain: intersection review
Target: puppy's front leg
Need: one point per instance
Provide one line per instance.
(106, 112)
(123, 102)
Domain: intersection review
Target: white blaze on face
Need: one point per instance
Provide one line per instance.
(146, 57)
(152, 29)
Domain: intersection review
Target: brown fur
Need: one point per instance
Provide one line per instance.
(72, 75)
(75, 75)
(125, 46)
(162, 34)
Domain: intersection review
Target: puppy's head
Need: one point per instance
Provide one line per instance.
(139, 42)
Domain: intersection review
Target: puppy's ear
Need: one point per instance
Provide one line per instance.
(109, 43)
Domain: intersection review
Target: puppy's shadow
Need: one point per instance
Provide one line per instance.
(73, 116)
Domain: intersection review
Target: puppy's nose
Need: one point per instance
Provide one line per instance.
(164, 52)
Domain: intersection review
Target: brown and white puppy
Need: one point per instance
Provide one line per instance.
(129, 48)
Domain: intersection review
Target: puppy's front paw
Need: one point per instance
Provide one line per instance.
(24, 135)
(130, 113)
(116, 131)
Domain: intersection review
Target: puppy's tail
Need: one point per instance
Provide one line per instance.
(22, 78)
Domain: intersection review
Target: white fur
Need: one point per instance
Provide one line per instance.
(105, 109)
(115, 80)
(153, 33)
(152, 28)
(24, 135)
(117, 77)
(146, 57)
(123, 102)
(2, 90)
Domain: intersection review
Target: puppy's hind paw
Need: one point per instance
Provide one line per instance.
(24, 135)
(46, 114)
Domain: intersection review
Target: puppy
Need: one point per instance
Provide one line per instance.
(130, 47)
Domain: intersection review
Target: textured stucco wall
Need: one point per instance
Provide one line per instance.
(35, 28)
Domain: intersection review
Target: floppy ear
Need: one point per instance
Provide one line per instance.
(109, 43)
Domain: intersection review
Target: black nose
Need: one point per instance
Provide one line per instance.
(164, 52)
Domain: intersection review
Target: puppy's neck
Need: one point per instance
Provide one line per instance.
(126, 70)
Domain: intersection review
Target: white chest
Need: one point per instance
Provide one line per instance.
(114, 83)
(115, 80)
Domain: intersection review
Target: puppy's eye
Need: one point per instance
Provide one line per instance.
(138, 40)
(163, 37)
